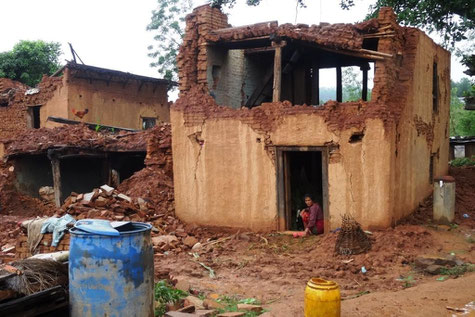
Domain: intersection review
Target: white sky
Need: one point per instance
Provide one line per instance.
(111, 33)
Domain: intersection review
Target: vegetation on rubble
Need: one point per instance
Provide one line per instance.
(28, 61)
(165, 294)
(463, 161)
(230, 304)
(458, 270)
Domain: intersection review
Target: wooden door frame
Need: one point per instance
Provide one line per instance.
(281, 193)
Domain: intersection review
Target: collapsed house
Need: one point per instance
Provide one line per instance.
(73, 159)
(98, 96)
(250, 136)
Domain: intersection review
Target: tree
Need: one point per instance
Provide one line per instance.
(463, 87)
(168, 20)
(28, 61)
(462, 122)
(453, 19)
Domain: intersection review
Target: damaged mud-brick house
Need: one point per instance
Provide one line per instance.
(74, 159)
(250, 136)
(97, 96)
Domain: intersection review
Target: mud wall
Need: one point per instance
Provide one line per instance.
(109, 103)
(421, 132)
(225, 170)
(14, 117)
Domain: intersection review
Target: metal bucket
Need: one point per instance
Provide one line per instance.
(111, 275)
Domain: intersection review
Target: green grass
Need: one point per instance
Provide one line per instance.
(165, 294)
(458, 270)
(408, 281)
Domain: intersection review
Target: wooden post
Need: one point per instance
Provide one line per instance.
(277, 86)
(364, 92)
(315, 84)
(339, 88)
(56, 180)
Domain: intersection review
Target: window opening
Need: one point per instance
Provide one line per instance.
(459, 151)
(148, 123)
(33, 117)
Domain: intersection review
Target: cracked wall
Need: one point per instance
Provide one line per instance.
(225, 170)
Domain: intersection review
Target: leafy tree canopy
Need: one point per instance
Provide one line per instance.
(168, 22)
(28, 61)
(453, 19)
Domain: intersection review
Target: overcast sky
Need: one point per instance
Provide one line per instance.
(111, 33)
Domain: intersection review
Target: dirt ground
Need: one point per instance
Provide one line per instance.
(274, 268)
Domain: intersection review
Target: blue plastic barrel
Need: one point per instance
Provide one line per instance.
(111, 275)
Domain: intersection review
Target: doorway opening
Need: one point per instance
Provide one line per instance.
(302, 170)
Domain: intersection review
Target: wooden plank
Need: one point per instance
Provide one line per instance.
(55, 164)
(375, 53)
(277, 86)
(92, 126)
(280, 190)
(287, 190)
(36, 304)
(326, 212)
(242, 28)
(339, 85)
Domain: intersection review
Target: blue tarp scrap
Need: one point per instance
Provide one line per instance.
(57, 226)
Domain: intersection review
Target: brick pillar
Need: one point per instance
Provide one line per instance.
(192, 58)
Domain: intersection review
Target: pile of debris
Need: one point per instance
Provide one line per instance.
(74, 136)
(351, 239)
(107, 203)
(15, 203)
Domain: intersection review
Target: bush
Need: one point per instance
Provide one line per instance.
(463, 161)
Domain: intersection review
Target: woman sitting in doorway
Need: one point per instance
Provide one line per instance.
(312, 217)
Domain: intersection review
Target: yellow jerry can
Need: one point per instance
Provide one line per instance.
(322, 298)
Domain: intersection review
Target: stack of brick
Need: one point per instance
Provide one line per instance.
(192, 58)
(44, 246)
(341, 36)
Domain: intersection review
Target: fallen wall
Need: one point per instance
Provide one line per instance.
(14, 116)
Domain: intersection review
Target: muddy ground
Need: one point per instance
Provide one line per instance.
(274, 268)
